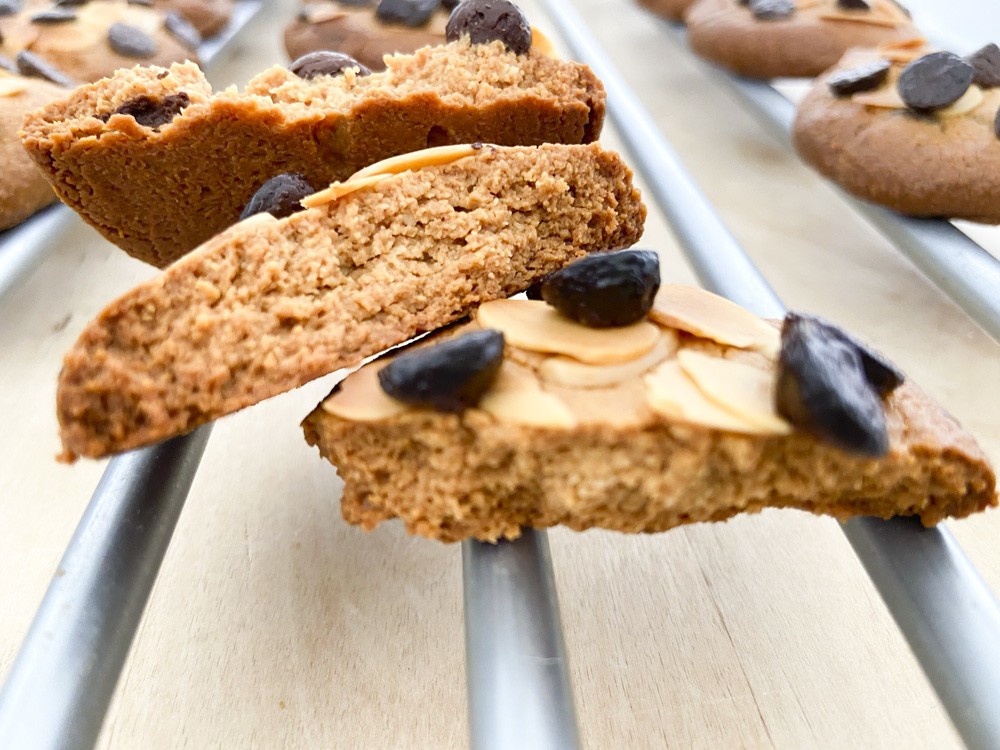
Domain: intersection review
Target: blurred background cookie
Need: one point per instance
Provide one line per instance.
(207, 16)
(672, 10)
(368, 31)
(791, 38)
(96, 38)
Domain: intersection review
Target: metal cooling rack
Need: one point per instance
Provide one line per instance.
(23, 248)
(518, 681)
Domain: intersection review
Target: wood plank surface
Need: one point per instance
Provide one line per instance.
(275, 625)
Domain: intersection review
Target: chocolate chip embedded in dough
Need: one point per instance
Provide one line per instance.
(412, 13)
(862, 78)
(30, 64)
(56, 15)
(485, 21)
(771, 10)
(279, 196)
(534, 291)
(822, 388)
(182, 30)
(152, 113)
(451, 376)
(325, 64)
(854, 4)
(605, 290)
(986, 62)
(934, 81)
(130, 41)
(9, 7)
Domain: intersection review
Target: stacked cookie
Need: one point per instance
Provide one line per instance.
(602, 401)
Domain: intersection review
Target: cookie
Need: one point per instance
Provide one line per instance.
(200, 169)
(23, 189)
(782, 38)
(938, 156)
(672, 10)
(209, 17)
(93, 39)
(358, 31)
(404, 247)
(667, 421)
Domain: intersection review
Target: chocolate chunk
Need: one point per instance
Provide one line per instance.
(605, 289)
(143, 3)
(485, 21)
(182, 30)
(771, 10)
(450, 376)
(30, 64)
(357, 3)
(996, 124)
(986, 62)
(934, 81)
(152, 113)
(279, 196)
(534, 291)
(822, 388)
(863, 78)
(9, 7)
(74, 3)
(325, 64)
(56, 15)
(412, 13)
(450, 4)
(130, 41)
(854, 4)
(7, 64)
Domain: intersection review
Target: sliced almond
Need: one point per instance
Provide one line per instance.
(533, 325)
(743, 390)
(12, 86)
(517, 398)
(971, 99)
(886, 97)
(709, 316)
(360, 398)
(572, 374)
(541, 44)
(863, 17)
(338, 190)
(319, 14)
(672, 394)
(428, 157)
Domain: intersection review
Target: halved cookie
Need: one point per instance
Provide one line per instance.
(160, 185)
(791, 38)
(938, 156)
(269, 304)
(696, 412)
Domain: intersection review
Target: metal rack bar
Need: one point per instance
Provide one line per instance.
(948, 615)
(23, 248)
(518, 681)
(60, 685)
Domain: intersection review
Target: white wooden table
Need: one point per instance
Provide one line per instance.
(274, 624)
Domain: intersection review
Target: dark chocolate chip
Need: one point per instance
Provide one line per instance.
(325, 64)
(986, 62)
(7, 64)
(934, 81)
(486, 21)
(822, 388)
(863, 78)
(280, 196)
(450, 376)
(771, 10)
(143, 3)
(605, 289)
(182, 30)
(996, 124)
(30, 64)
(152, 113)
(74, 3)
(56, 15)
(9, 7)
(412, 13)
(854, 4)
(130, 41)
(534, 291)
(450, 4)
(357, 3)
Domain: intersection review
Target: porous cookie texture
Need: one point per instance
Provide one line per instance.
(269, 305)
(803, 44)
(940, 164)
(23, 189)
(683, 431)
(95, 39)
(672, 10)
(357, 31)
(200, 169)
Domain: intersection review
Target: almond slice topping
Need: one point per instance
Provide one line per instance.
(338, 190)
(971, 99)
(709, 316)
(360, 398)
(533, 325)
(867, 18)
(742, 390)
(672, 394)
(12, 86)
(517, 397)
(428, 157)
(572, 374)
